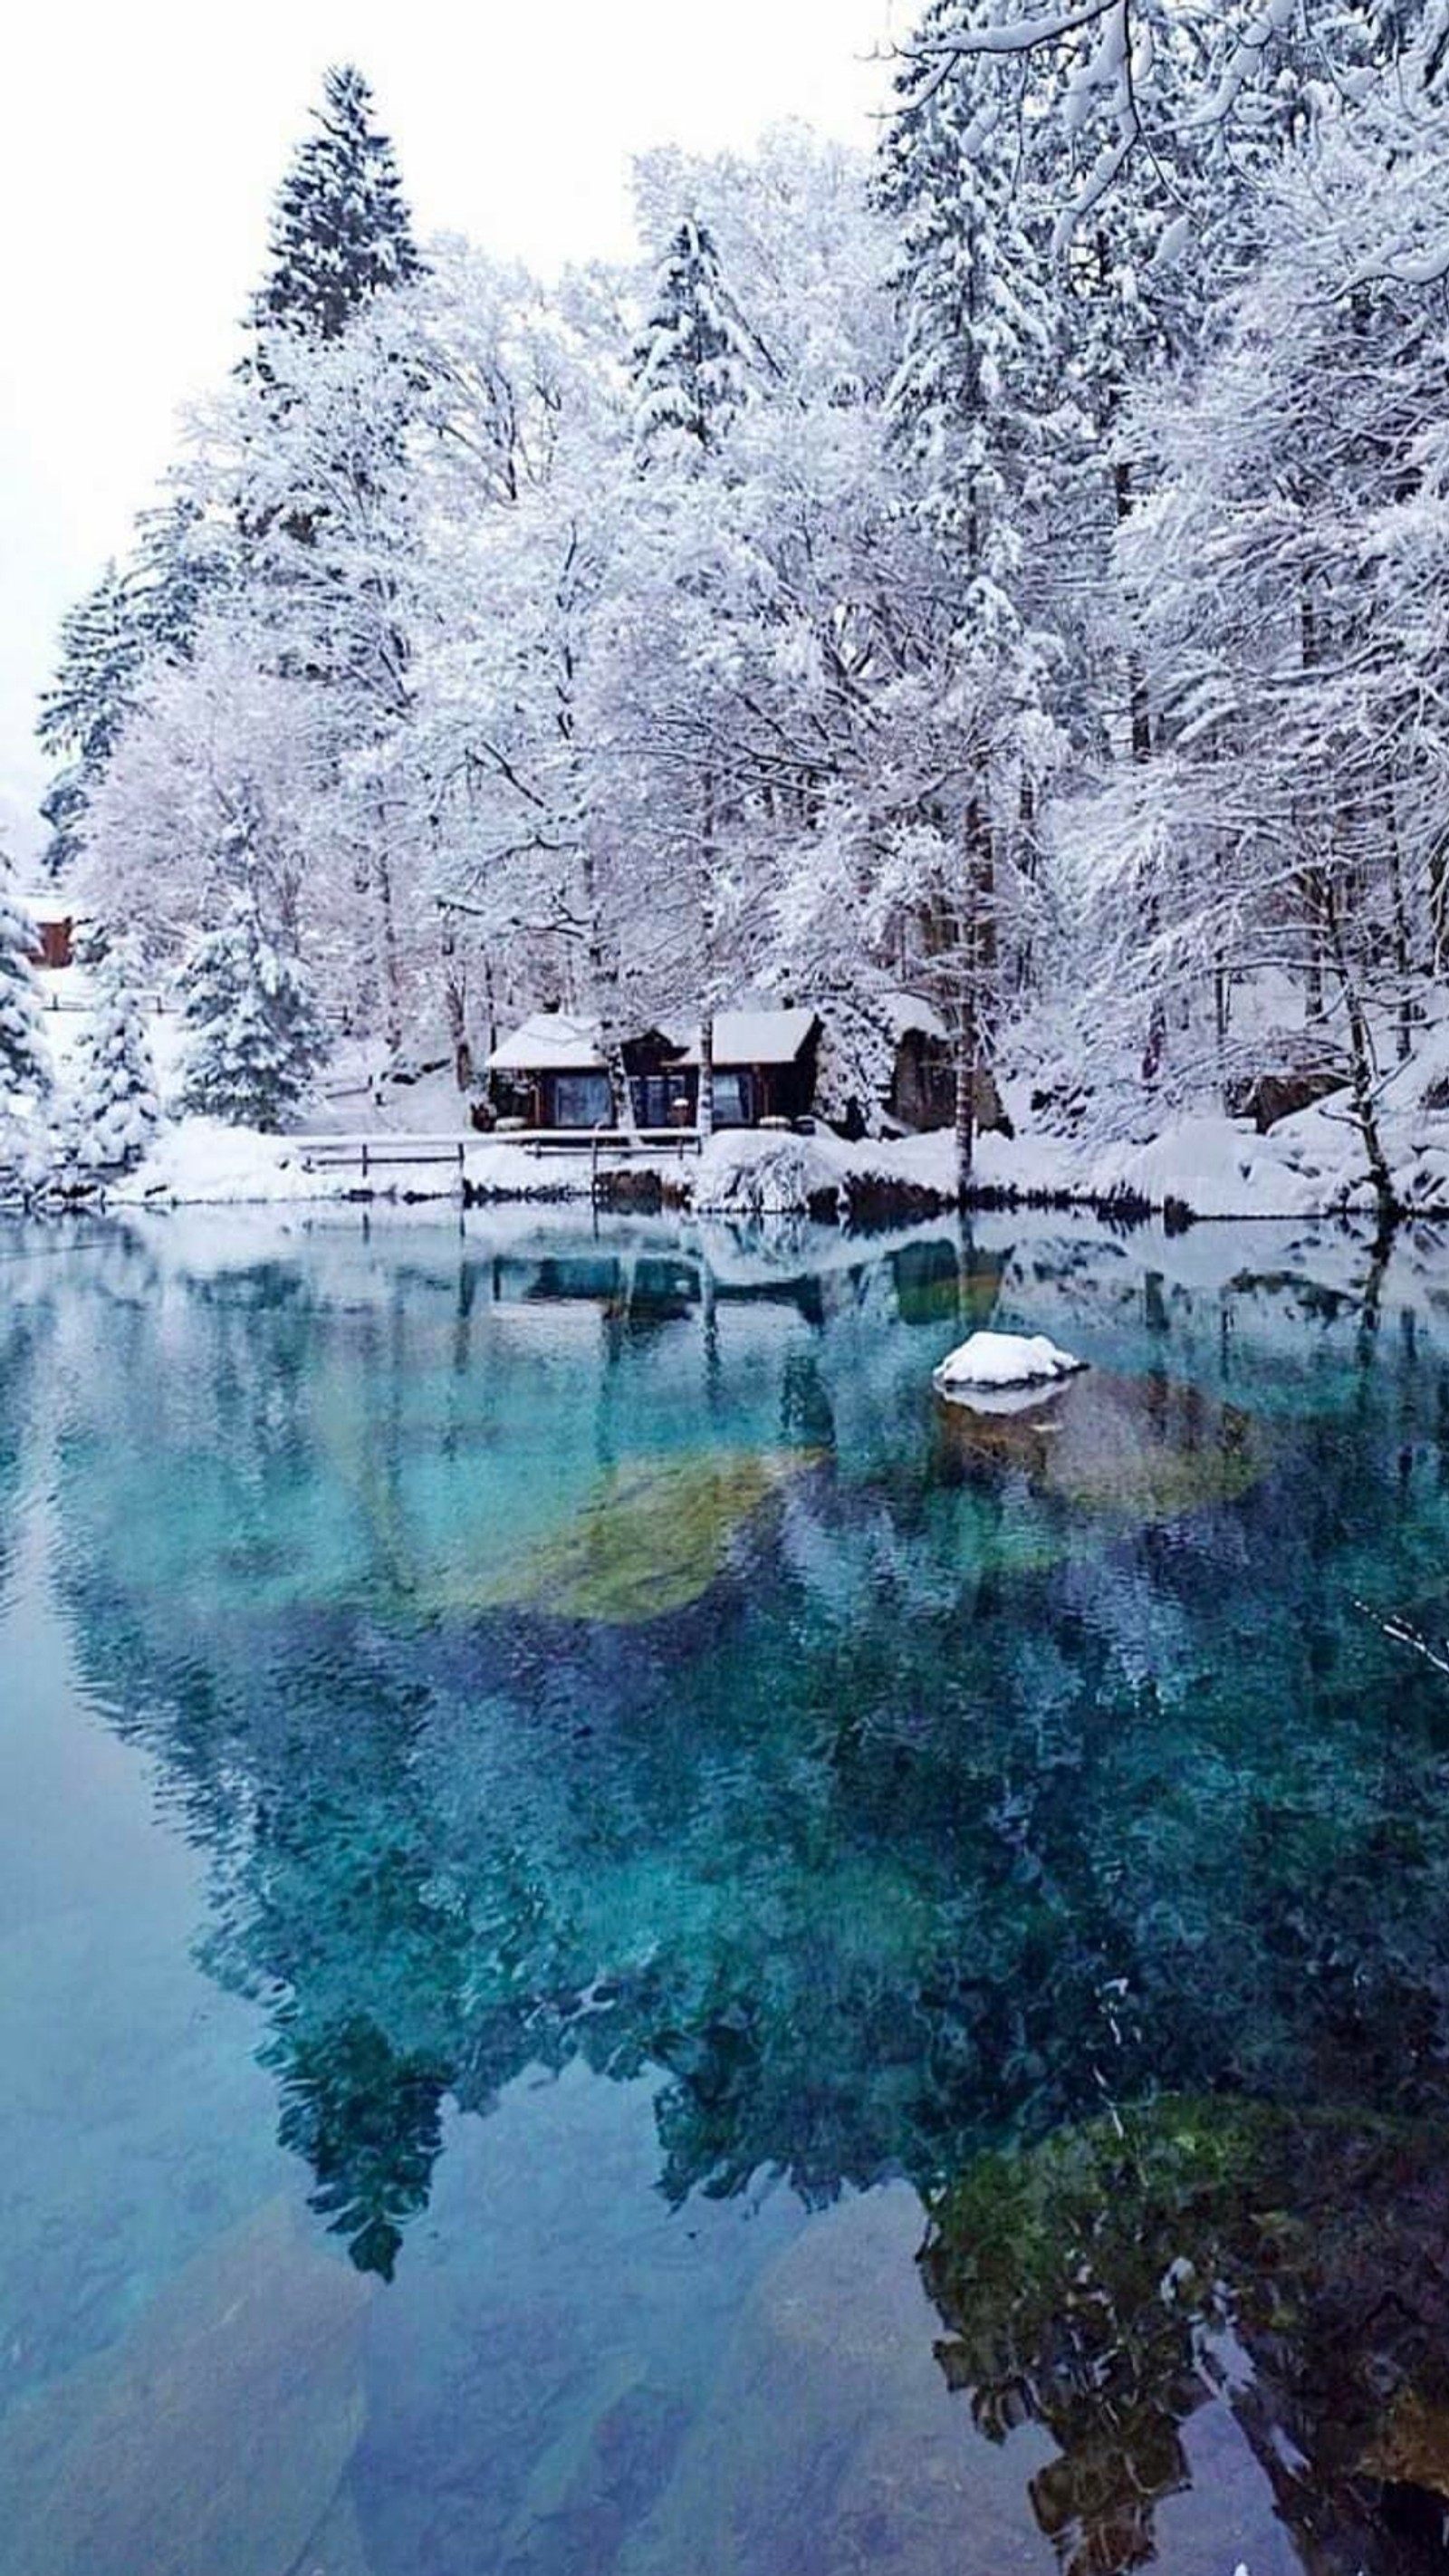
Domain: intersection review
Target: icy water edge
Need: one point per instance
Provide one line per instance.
(628, 1949)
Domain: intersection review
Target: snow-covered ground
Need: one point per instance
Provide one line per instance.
(1212, 1165)
(1311, 1165)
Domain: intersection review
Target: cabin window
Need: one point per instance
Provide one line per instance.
(660, 1099)
(732, 1106)
(582, 1100)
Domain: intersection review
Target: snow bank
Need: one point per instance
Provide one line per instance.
(756, 1172)
(997, 1360)
(200, 1162)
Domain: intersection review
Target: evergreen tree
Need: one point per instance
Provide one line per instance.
(692, 361)
(24, 1062)
(135, 616)
(257, 1035)
(341, 231)
(180, 565)
(973, 395)
(115, 1110)
(102, 649)
(974, 411)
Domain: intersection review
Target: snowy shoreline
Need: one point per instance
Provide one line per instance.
(1199, 1170)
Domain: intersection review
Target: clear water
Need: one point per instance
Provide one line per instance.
(628, 1949)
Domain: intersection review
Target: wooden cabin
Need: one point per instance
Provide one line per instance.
(922, 1090)
(55, 918)
(923, 1074)
(551, 1074)
(765, 1064)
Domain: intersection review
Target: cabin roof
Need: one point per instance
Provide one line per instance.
(555, 1042)
(549, 1042)
(44, 903)
(757, 1037)
(911, 1015)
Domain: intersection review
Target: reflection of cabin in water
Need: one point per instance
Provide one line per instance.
(640, 1291)
(551, 1074)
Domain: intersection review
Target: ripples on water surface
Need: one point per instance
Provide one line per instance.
(628, 1949)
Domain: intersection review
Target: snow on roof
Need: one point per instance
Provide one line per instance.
(44, 903)
(909, 1015)
(757, 1037)
(549, 1042)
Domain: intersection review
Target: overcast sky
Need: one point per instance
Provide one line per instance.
(144, 144)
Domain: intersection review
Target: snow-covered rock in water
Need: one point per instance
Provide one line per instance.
(991, 1361)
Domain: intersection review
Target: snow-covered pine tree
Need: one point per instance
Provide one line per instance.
(341, 231)
(692, 367)
(102, 648)
(114, 1107)
(257, 1037)
(180, 566)
(24, 1060)
(973, 402)
(692, 360)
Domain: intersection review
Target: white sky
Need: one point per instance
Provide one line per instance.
(143, 146)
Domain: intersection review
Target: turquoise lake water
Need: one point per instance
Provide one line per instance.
(630, 1948)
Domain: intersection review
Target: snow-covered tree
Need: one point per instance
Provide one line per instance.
(341, 232)
(24, 1058)
(975, 403)
(102, 650)
(256, 1035)
(1284, 838)
(1104, 80)
(114, 1109)
(693, 358)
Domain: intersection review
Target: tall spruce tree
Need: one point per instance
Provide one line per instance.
(692, 359)
(691, 376)
(973, 408)
(139, 613)
(102, 649)
(341, 231)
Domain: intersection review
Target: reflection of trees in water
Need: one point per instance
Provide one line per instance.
(1110, 2284)
(26, 1327)
(885, 1852)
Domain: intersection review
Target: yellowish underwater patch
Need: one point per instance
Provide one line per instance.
(651, 1538)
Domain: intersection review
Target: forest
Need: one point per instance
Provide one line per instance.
(1006, 566)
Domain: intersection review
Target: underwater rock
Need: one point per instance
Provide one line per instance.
(651, 1539)
(212, 2440)
(987, 1361)
(1286, 2268)
(336, 2547)
(828, 2444)
(1139, 1448)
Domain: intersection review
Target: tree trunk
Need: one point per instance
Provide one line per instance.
(389, 968)
(1402, 963)
(1361, 1071)
(966, 1057)
(455, 1006)
(704, 1113)
(704, 1110)
(606, 998)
